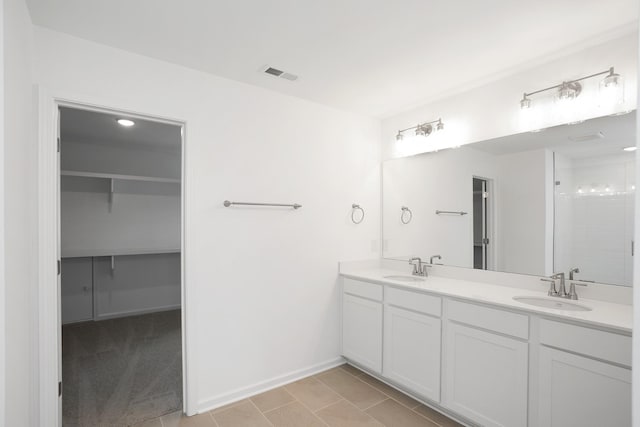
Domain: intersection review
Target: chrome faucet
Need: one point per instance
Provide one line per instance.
(434, 257)
(573, 270)
(552, 288)
(562, 292)
(572, 286)
(418, 268)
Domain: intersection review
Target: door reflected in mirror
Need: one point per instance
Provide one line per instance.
(531, 203)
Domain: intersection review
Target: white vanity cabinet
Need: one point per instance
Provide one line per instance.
(485, 366)
(585, 380)
(412, 332)
(362, 324)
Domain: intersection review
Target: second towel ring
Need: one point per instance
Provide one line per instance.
(356, 208)
(406, 210)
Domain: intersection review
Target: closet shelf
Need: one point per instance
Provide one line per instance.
(116, 252)
(118, 176)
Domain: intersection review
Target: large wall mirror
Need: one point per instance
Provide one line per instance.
(531, 203)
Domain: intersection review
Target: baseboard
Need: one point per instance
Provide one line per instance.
(115, 315)
(244, 392)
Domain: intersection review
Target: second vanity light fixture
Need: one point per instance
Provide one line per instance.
(423, 129)
(570, 89)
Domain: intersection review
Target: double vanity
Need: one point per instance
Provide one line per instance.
(487, 354)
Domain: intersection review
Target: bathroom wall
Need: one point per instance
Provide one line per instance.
(20, 162)
(525, 213)
(261, 284)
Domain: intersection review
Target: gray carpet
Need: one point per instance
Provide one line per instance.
(123, 371)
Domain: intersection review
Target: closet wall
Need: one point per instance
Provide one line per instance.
(120, 227)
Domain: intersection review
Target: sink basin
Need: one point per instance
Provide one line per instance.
(405, 278)
(552, 302)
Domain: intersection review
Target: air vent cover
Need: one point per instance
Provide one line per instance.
(274, 71)
(279, 73)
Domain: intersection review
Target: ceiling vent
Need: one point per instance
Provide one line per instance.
(279, 73)
(588, 137)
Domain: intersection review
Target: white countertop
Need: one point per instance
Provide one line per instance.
(603, 314)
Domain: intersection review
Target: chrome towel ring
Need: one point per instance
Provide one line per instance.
(406, 216)
(356, 208)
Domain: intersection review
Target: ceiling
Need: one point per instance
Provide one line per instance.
(375, 57)
(91, 127)
(617, 132)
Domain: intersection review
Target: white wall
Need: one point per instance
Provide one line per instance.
(132, 160)
(261, 297)
(139, 215)
(19, 214)
(493, 110)
(2, 271)
(522, 221)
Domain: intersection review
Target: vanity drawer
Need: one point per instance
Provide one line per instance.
(363, 289)
(504, 322)
(590, 342)
(415, 301)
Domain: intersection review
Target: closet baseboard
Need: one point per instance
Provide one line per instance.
(137, 312)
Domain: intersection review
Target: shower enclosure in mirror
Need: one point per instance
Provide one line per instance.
(531, 203)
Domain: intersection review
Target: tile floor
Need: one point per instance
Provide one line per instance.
(340, 397)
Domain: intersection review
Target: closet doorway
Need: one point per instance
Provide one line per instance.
(120, 240)
(482, 259)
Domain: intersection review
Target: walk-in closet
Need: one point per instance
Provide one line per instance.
(120, 233)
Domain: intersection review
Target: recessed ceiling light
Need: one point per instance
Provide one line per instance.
(126, 122)
(630, 148)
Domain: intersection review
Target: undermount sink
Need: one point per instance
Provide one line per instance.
(552, 302)
(405, 278)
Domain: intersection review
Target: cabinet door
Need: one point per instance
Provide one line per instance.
(362, 331)
(76, 290)
(412, 351)
(485, 376)
(578, 391)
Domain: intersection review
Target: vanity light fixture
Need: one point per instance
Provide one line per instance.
(571, 89)
(423, 129)
(126, 122)
(632, 148)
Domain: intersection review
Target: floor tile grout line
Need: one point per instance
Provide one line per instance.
(309, 409)
(322, 384)
(376, 404)
(280, 406)
(213, 418)
(261, 413)
(362, 410)
(422, 415)
(388, 396)
(331, 404)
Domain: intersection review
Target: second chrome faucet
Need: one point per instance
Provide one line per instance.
(562, 292)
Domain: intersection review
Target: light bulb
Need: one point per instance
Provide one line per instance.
(611, 90)
(126, 122)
